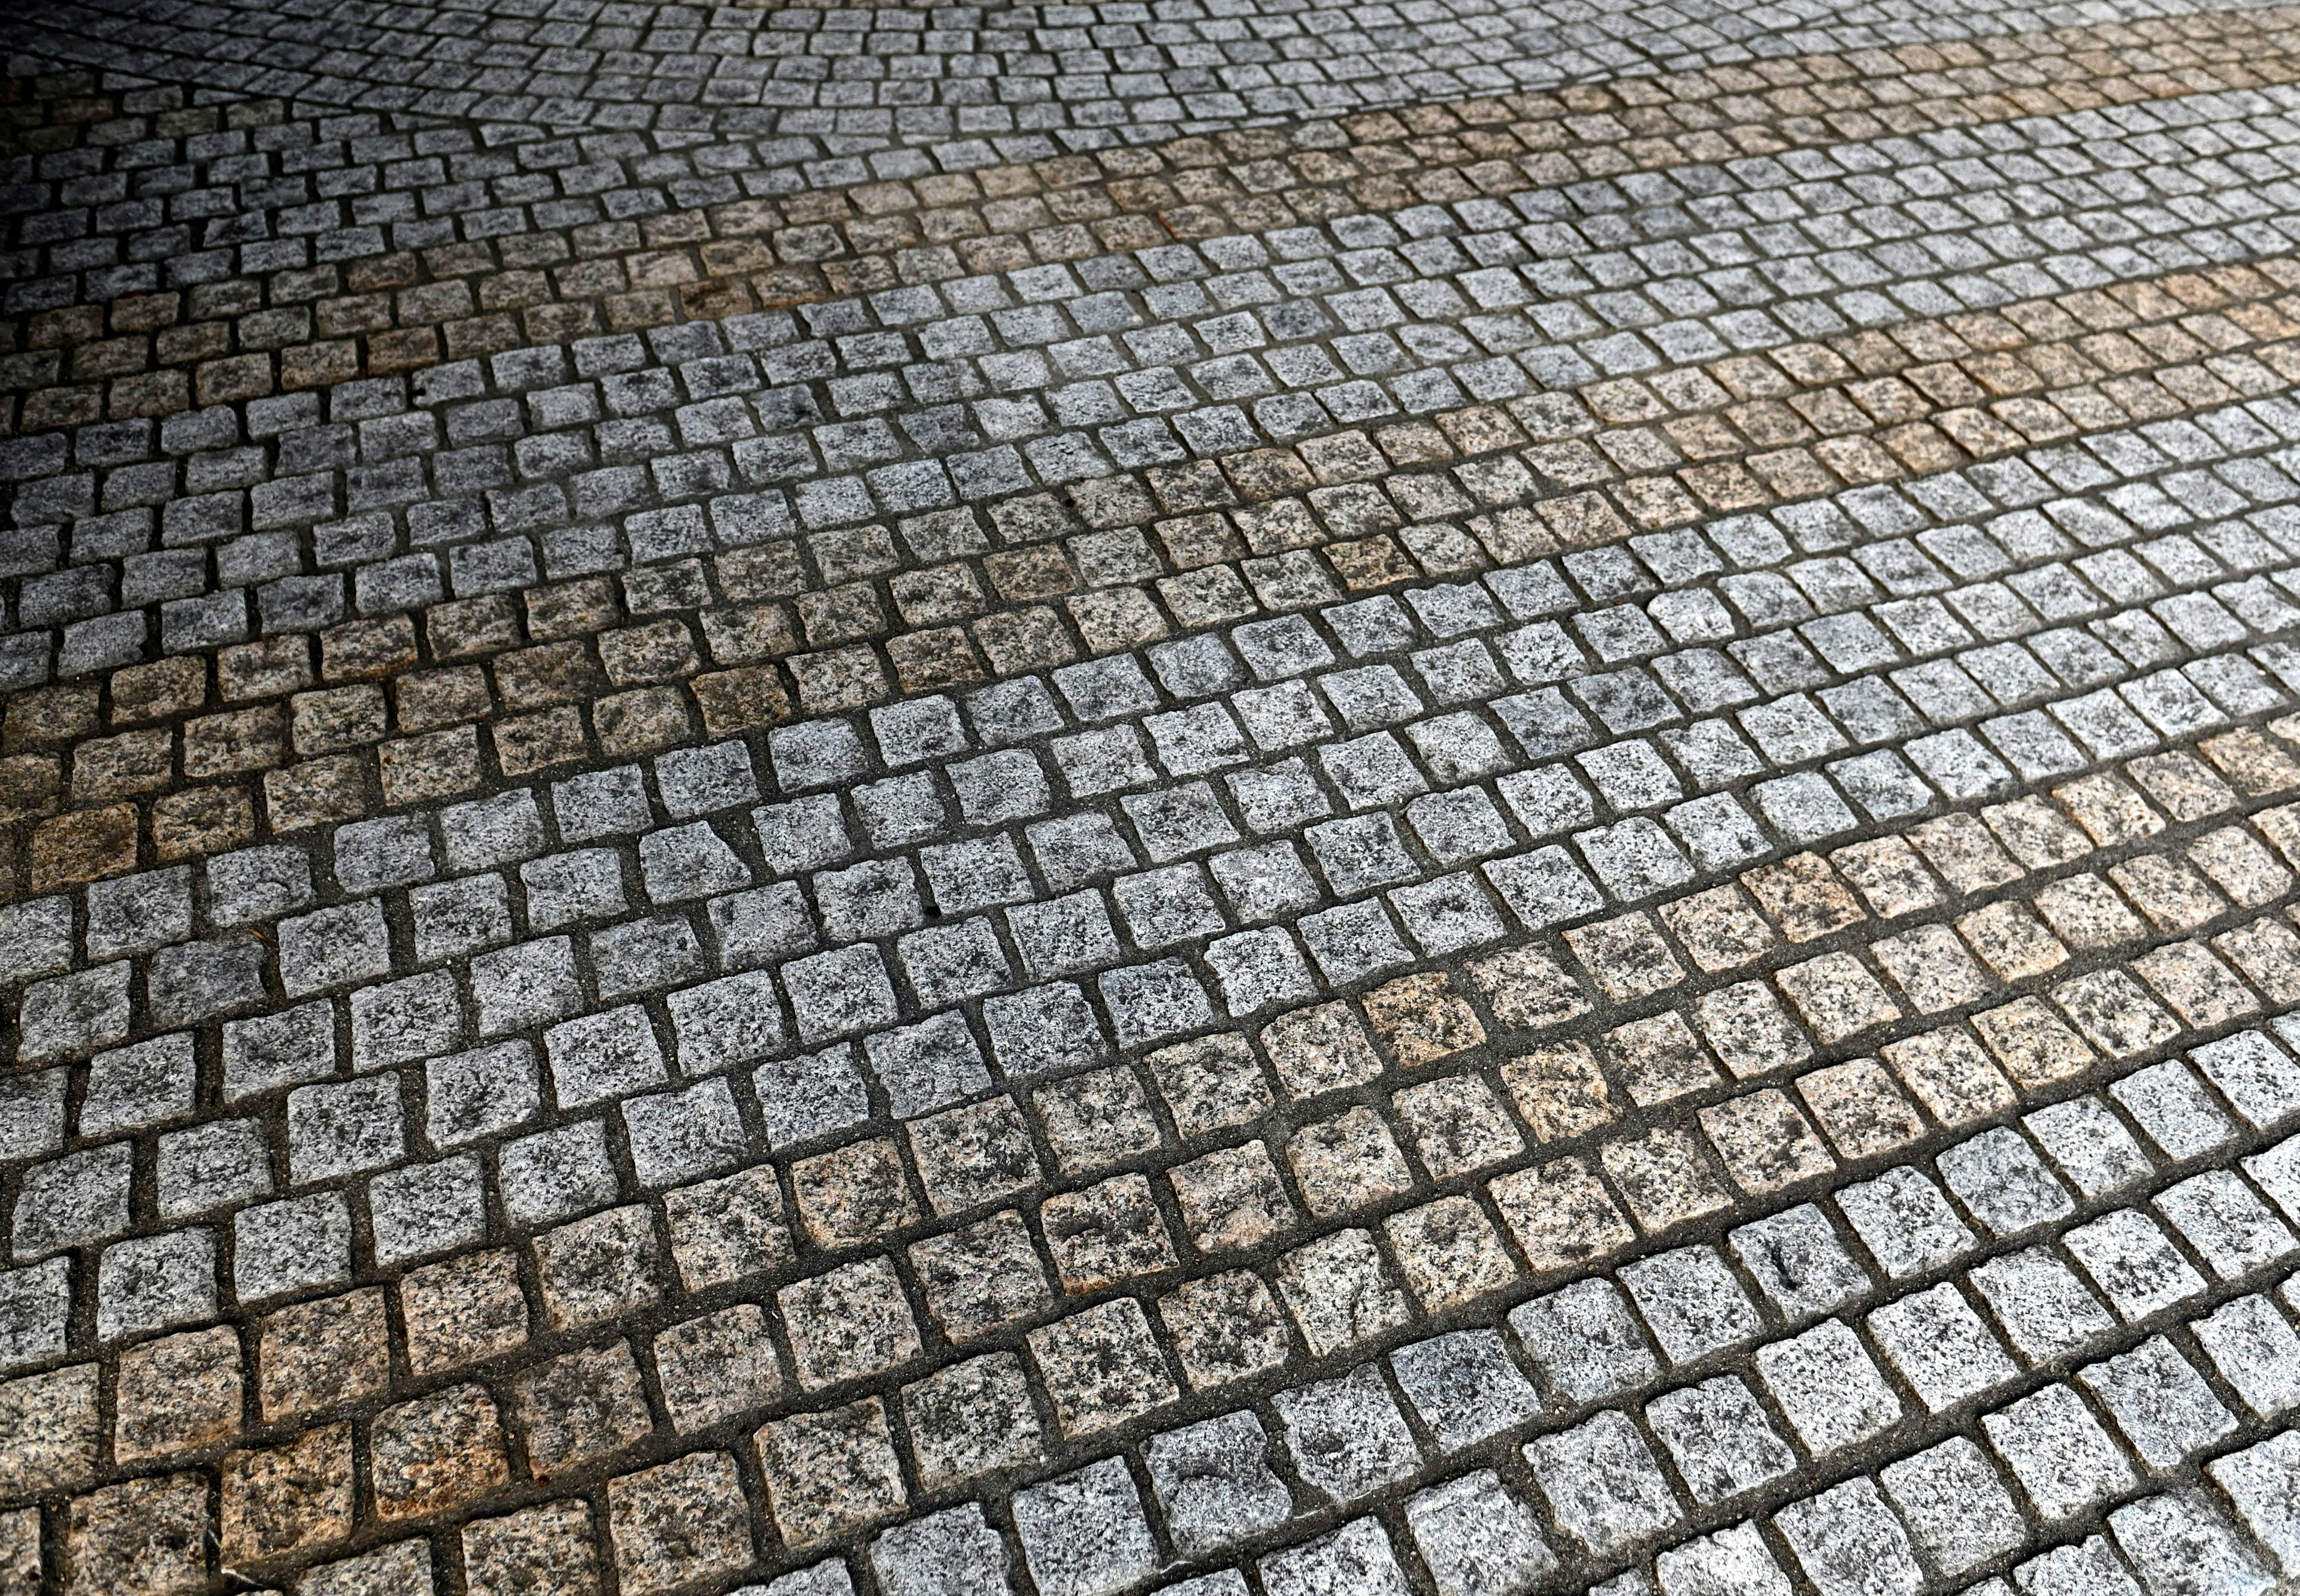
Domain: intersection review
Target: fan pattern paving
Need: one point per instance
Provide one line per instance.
(1423, 800)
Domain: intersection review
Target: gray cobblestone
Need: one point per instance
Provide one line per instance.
(2057, 1451)
(938, 881)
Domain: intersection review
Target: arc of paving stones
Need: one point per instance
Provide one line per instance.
(478, 297)
(97, 755)
(1630, 1143)
(110, 768)
(2161, 773)
(1009, 78)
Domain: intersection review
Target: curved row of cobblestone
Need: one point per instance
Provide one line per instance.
(1550, 843)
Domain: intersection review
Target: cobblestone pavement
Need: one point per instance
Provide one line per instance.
(1221, 796)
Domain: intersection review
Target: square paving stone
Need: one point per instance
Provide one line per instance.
(1603, 1487)
(1102, 1368)
(2057, 1451)
(852, 1322)
(827, 1473)
(1719, 1438)
(1085, 1532)
(1225, 1327)
(970, 1420)
(981, 1277)
(1213, 1482)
